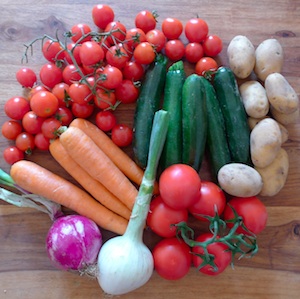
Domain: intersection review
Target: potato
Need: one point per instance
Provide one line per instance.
(281, 94)
(239, 179)
(254, 98)
(274, 175)
(285, 118)
(265, 142)
(268, 58)
(241, 56)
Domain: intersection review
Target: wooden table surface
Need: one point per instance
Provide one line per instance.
(25, 271)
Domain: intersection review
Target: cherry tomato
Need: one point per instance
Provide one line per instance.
(36, 89)
(127, 92)
(196, 30)
(50, 75)
(61, 91)
(64, 115)
(26, 77)
(117, 56)
(135, 36)
(205, 64)
(74, 50)
(251, 209)
(82, 111)
(91, 53)
(222, 256)
(44, 103)
(11, 129)
(211, 199)
(144, 53)
(133, 71)
(32, 123)
(172, 28)
(12, 155)
(117, 32)
(212, 45)
(16, 107)
(50, 127)
(193, 52)
(179, 186)
(41, 142)
(105, 120)
(121, 135)
(80, 33)
(161, 218)
(157, 39)
(145, 20)
(175, 49)
(102, 15)
(110, 77)
(53, 51)
(105, 99)
(80, 93)
(172, 258)
(25, 142)
(70, 74)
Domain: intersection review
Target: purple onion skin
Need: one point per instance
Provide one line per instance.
(73, 242)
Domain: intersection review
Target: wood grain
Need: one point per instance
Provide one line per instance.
(25, 271)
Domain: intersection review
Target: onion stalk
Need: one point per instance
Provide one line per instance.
(125, 263)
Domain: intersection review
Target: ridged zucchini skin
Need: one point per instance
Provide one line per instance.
(235, 117)
(216, 145)
(147, 104)
(172, 151)
(194, 121)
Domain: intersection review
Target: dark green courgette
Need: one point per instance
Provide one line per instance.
(147, 104)
(194, 121)
(235, 117)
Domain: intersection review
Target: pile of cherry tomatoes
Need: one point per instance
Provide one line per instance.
(95, 71)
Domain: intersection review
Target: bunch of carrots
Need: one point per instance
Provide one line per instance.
(108, 176)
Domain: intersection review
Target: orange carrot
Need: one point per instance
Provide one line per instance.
(94, 161)
(39, 180)
(116, 154)
(95, 188)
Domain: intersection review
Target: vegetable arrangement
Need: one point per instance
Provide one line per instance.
(179, 119)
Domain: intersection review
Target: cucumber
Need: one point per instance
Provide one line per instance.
(235, 117)
(217, 146)
(194, 121)
(147, 104)
(172, 151)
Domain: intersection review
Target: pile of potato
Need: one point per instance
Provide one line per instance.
(271, 104)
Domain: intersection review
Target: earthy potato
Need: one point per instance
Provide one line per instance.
(265, 142)
(239, 179)
(268, 58)
(285, 118)
(241, 56)
(281, 94)
(274, 175)
(254, 98)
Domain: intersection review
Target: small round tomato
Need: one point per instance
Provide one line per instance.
(82, 111)
(133, 71)
(32, 123)
(117, 32)
(144, 53)
(50, 127)
(122, 135)
(11, 129)
(25, 142)
(41, 142)
(53, 51)
(61, 91)
(50, 75)
(110, 77)
(12, 155)
(175, 49)
(172, 28)
(127, 92)
(196, 30)
(105, 99)
(157, 39)
(64, 115)
(26, 77)
(172, 258)
(70, 74)
(205, 64)
(44, 103)
(16, 107)
(91, 53)
(105, 120)
(179, 186)
(80, 33)
(212, 45)
(102, 15)
(161, 218)
(193, 52)
(134, 36)
(145, 20)
(251, 209)
(36, 89)
(80, 93)
(211, 200)
(117, 56)
(222, 255)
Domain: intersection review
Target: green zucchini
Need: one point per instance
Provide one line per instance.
(235, 117)
(172, 151)
(217, 146)
(147, 104)
(194, 121)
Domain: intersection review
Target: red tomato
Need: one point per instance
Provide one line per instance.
(175, 49)
(64, 115)
(205, 64)
(11, 129)
(145, 20)
(105, 99)
(70, 74)
(222, 256)
(50, 75)
(212, 45)
(80, 93)
(172, 258)
(117, 32)
(196, 30)
(144, 53)
(161, 218)
(12, 155)
(44, 103)
(135, 36)
(193, 52)
(82, 111)
(157, 39)
(117, 56)
(61, 91)
(110, 77)
(251, 209)
(80, 33)
(105, 120)
(36, 89)
(127, 92)
(32, 123)
(25, 142)
(102, 15)
(179, 186)
(26, 77)
(50, 127)
(16, 107)
(122, 135)
(211, 199)
(172, 28)
(91, 53)
(133, 71)
(41, 142)
(53, 51)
